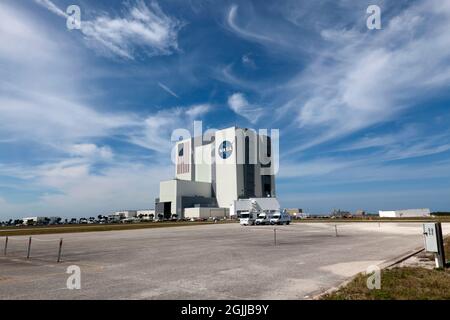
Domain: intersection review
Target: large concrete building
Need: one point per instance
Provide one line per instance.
(408, 213)
(233, 164)
(40, 220)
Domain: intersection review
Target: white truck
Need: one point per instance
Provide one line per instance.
(255, 210)
(247, 218)
(281, 218)
(263, 218)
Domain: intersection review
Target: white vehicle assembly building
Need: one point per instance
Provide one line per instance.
(234, 164)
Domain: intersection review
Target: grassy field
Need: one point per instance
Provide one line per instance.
(400, 284)
(35, 230)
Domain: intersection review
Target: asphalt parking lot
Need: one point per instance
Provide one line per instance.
(223, 261)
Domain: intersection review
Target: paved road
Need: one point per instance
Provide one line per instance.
(203, 262)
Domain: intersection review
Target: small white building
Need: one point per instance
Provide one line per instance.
(29, 220)
(407, 213)
(124, 214)
(40, 220)
(205, 213)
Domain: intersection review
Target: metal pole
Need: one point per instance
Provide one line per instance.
(440, 256)
(6, 245)
(275, 236)
(29, 248)
(335, 228)
(59, 251)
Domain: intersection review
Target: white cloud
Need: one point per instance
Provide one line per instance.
(40, 89)
(142, 27)
(239, 104)
(52, 7)
(168, 90)
(365, 77)
(226, 74)
(409, 133)
(128, 186)
(198, 110)
(44, 106)
(249, 22)
(248, 61)
(231, 19)
(334, 171)
(19, 33)
(157, 130)
(314, 168)
(91, 150)
(64, 120)
(81, 193)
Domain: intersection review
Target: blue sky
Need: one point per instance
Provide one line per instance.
(86, 115)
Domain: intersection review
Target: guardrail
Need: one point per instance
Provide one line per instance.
(30, 239)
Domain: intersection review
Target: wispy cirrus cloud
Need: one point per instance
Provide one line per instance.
(240, 105)
(69, 188)
(81, 127)
(73, 140)
(168, 90)
(52, 7)
(360, 78)
(91, 150)
(142, 29)
(246, 33)
(155, 134)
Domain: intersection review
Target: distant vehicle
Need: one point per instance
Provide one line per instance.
(83, 221)
(263, 218)
(130, 220)
(280, 218)
(214, 219)
(247, 218)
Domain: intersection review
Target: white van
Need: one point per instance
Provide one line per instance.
(263, 218)
(280, 218)
(247, 218)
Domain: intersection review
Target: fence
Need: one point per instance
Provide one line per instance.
(24, 246)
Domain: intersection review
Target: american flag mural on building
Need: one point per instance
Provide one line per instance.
(183, 157)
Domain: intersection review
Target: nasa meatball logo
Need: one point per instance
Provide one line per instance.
(225, 149)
